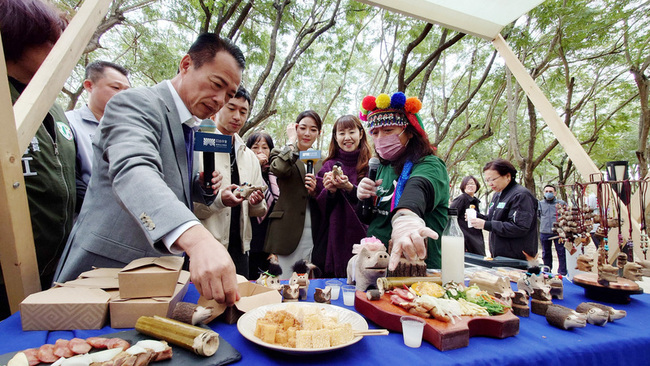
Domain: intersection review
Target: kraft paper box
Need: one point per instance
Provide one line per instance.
(125, 312)
(101, 272)
(65, 308)
(251, 296)
(150, 277)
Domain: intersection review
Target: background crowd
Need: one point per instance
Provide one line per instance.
(124, 170)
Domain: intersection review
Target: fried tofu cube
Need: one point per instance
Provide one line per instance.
(291, 336)
(258, 327)
(312, 322)
(320, 339)
(282, 337)
(268, 332)
(337, 336)
(288, 322)
(304, 339)
(341, 335)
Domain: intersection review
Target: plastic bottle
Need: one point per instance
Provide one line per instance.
(470, 213)
(453, 251)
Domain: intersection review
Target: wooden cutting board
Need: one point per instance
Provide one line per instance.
(444, 336)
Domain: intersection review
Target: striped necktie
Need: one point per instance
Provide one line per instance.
(188, 134)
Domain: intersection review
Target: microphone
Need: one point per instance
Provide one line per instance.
(208, 168)
(309, 157)
(368, 204)
(209, 143)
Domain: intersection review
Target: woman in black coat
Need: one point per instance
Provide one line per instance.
(512, 215)
(474, 242)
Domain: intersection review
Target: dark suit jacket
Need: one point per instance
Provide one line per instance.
(139, 190)
(287, 220)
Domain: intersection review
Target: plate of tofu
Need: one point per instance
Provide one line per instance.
(301, 327)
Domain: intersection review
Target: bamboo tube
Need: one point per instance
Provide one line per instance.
(389, 283)
(201, 341)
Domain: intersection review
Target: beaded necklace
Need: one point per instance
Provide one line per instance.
(643, 186)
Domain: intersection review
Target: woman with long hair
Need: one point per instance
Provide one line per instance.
(412, 185)
(293, 224)
(345, 165)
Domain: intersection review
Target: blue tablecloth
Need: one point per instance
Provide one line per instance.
(538, 343)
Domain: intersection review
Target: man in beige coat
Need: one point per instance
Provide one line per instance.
(228, 217)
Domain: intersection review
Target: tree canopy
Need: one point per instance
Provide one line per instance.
(590, 58)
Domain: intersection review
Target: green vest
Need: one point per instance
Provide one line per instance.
(49, 172)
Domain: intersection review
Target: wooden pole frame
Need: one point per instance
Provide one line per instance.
(565, 137)
(20, 123)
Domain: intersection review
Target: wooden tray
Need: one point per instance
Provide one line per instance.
(617, 292)
(444, 336)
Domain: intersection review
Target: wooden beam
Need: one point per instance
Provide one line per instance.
(17, 254)
(565, 137)
(18, 258)
(42, 90)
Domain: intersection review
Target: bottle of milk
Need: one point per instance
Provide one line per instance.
(470, 214)
(453, 251)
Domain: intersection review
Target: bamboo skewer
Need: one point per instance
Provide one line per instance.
(370, 332)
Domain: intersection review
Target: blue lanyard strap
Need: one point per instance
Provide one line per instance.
(401, 182)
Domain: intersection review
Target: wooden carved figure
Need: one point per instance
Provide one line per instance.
(302, 281)
(190, 313)
(595, 315)
(613, 313)
(245, 190)
(290, 293)
(540, 299)
(633, 271)
(520, 305)
(492, 284)
(557, 287)
(645, 267)
(584, 263)
(323, 295)
(565, 318)
(269, 281)
(606, 274)
(407, 268)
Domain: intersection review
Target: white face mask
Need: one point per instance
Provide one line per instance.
(390, 147)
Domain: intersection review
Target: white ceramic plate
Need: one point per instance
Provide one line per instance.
(247, 322)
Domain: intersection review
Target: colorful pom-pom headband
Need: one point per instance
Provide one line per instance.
(395, 110)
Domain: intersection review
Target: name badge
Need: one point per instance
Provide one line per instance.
(501, 205)
(212, 142)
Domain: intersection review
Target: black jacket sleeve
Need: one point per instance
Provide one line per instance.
(418, 196)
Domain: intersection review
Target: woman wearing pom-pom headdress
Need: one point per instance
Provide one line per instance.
(412, 185)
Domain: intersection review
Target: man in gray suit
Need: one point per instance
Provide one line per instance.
(140, 190)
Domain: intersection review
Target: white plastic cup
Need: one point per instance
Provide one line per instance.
(349, 292)
(336, 288)
(412, 329)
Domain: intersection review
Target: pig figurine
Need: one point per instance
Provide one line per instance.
(369, 263)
